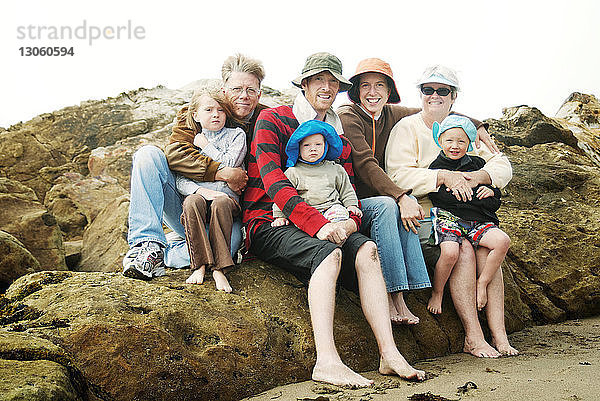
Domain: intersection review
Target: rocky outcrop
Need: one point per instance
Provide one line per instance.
(32, 368)
(16, 260)
(551, 210)
(22, 216)
(105, 240)
(75, 200)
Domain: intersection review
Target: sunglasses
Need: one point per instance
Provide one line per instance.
(428, 90)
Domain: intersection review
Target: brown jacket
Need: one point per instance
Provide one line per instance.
(369, 166)
(185, 158)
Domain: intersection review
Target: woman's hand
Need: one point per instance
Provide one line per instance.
(410, 213)
(484, 136)
(456, 183)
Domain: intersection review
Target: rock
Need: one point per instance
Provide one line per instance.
(581, 114)
(527, 126)
(32, 368)
(68, 135)
(105, 240)
(73, 253)
(76, 200)
(22, 216)
(580, 108)
(115, 160)
(15, 260)
(168, 340)
(551, 210)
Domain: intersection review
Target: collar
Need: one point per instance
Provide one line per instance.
(304, 111)
(369, 114)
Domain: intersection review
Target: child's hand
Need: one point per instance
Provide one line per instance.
(484, 192)
(355, 210)
(200, 140)
(280, 221)
(210, 194)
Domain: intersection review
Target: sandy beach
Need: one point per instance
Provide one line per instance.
(557, 362)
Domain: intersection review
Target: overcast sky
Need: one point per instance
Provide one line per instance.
(507, 53)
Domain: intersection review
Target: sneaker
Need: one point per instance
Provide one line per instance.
(144, 261)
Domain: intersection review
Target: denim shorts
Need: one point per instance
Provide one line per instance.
(294, 251)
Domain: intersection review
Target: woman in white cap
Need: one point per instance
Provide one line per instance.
(410, 150)
(390, 214)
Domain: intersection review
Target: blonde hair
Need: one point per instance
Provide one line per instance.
(214, 93)
(241, 63)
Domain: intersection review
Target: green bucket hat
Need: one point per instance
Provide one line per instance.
(319, 62)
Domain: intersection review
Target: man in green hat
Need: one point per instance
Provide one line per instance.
(313, 248)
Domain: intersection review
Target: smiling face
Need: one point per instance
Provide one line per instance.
(312, 148)
(373, 92)
(436, 105)
(454, 143)
(243, 91)
(320, 90)
(210, 114)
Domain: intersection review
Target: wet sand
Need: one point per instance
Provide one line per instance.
(557, 362)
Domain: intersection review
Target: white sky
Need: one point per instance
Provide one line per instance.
(507, 53)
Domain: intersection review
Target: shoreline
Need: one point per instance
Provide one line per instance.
(556, 362)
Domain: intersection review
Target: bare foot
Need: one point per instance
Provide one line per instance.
(480, 349)
(340, 375)
(197, 277)
(401, 368)
(505, 348)
(481, 295)
(399, 312)
(221, 281)
(435, 303)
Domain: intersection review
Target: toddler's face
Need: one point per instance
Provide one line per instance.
(312, 148)
(210, 114)
(454, 143)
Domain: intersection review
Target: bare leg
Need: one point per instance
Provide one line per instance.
(197, 277)
(221, 281)
(329, 368)
(498, 243)
(399, 312)
(373, 302)
(462, 288)
(448, 257)
(495, 308)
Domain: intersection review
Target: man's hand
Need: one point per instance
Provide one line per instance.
(410, 213)
(280, 221)
(235, 177)
(484, 136)
(333, 232)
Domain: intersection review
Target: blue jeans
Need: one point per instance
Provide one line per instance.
(154, 199)
(399, 250)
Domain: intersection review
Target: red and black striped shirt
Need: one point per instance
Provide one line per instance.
(266, 181)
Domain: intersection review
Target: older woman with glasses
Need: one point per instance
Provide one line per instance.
(410, 151)
(390, 214)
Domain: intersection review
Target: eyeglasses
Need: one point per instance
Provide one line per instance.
(250, 91)
(428, 90)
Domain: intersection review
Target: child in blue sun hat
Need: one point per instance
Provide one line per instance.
(455, 219)
(311, 153)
